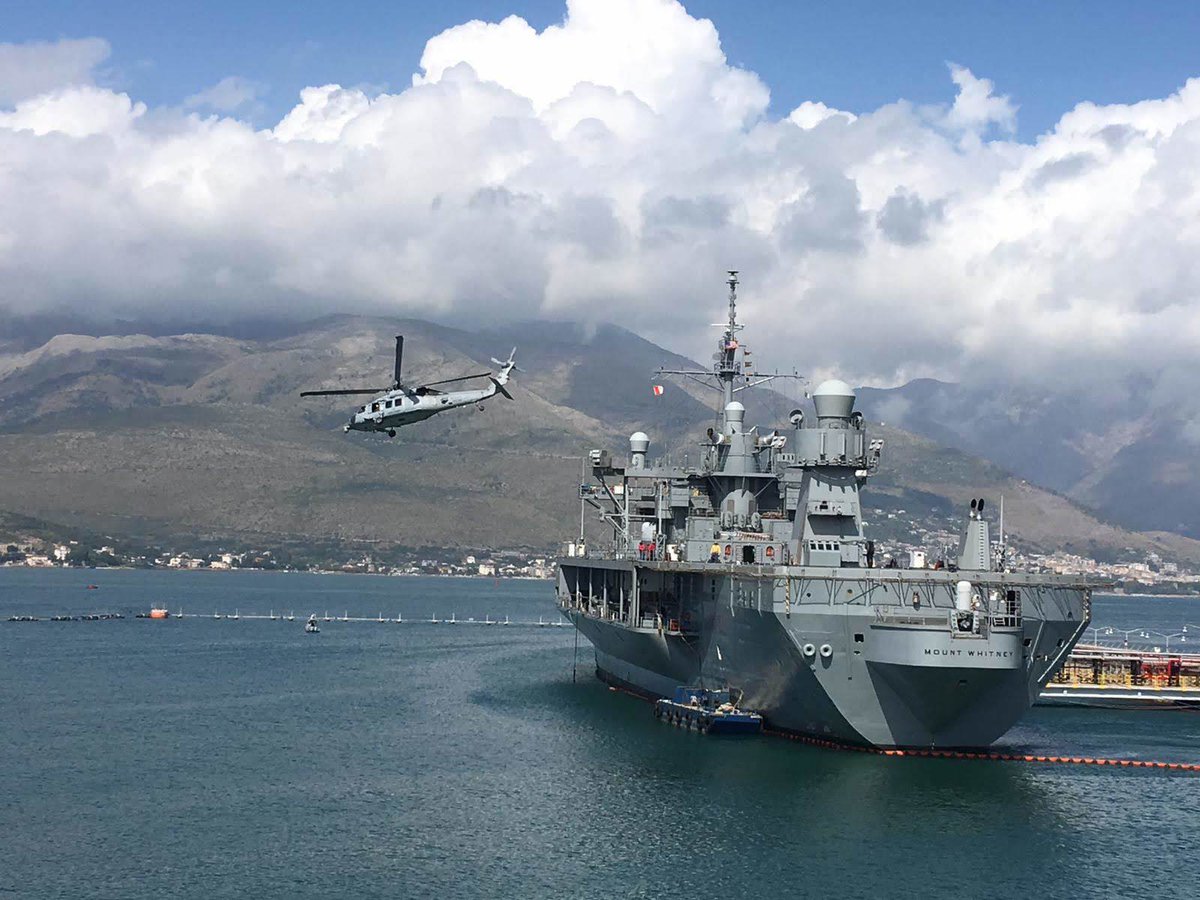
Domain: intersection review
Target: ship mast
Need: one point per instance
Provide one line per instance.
(725, 366)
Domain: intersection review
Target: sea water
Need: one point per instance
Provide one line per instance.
(213, 757)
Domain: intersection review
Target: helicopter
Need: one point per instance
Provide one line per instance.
(402, 404)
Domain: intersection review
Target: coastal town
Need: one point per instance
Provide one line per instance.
(495, 564)
(1150, 573)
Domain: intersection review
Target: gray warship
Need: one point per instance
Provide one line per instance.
(750, 571)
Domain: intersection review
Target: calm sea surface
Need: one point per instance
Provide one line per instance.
(211, 758)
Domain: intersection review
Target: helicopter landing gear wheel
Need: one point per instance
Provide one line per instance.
(391, 432)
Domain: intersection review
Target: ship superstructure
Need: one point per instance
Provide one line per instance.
(751, 571)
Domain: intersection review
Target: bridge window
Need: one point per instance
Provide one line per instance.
(747, 554)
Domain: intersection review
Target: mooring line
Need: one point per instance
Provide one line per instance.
(992, 757)
(963, 754)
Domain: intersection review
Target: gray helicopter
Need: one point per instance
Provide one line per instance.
(403, 404)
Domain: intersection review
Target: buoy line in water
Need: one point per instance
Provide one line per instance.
(962, 754)
(988, 755)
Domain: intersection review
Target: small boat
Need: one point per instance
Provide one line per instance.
(159, 612)
(707, 711)
(311, 626)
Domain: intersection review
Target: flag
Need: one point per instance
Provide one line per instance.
(658, 389)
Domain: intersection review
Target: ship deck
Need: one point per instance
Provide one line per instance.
(616, 562)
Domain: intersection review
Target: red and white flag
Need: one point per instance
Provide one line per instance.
(658, 389)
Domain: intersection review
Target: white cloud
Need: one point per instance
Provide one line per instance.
(976, 107)
(612, 167)
(76, 111)
(228, 95)
(812, 113)
(27, 70)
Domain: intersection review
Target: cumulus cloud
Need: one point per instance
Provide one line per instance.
(27, 70)
(611, 167)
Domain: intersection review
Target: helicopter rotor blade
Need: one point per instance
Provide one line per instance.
(460, 378)
(399, 356)
(346, 392)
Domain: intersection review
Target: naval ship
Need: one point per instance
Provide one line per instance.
(750, 571)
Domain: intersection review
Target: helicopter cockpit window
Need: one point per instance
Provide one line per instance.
(375, 406)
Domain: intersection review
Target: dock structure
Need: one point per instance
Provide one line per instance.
(1125, 678)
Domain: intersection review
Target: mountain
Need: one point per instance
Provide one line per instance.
(205, 436)
(1128, 460)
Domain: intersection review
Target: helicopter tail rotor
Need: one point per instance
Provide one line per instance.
(507, 365)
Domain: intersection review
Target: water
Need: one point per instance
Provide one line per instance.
(204, 758)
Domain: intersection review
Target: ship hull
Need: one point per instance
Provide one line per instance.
(875, 659)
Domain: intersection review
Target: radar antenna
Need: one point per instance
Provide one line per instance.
(726, 372)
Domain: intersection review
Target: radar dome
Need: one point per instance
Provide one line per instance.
(639, 442)
(833, 399)
(735, 414)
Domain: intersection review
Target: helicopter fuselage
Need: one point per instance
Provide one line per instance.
(397, 408)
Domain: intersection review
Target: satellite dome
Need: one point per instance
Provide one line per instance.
(735, 414)
(639, 442)
(834, 399)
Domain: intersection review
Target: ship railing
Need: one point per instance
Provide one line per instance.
(887, 618)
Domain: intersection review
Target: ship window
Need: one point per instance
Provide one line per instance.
(858, 638)
(1028, 641)
(747, 554)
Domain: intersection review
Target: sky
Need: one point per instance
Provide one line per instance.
(953, 190)
(852, 54)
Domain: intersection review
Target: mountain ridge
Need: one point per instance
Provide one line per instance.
(206, 434)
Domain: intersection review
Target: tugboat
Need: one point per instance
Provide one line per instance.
(707, 711)
(311, 626)
(749, 567)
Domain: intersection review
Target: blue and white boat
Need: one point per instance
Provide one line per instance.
(707, 711)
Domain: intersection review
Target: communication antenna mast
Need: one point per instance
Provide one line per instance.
(726, 372)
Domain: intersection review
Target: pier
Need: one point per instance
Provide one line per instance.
(1125, 678)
